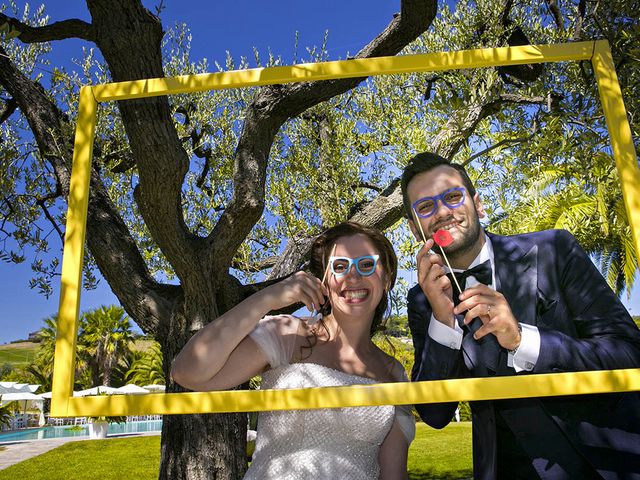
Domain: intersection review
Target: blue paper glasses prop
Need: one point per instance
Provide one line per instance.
(427, 206)
(365, 265)
(340, 266)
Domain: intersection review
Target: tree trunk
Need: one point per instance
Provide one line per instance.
(207, 446)
(203, 446)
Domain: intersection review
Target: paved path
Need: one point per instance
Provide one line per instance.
(21, 450)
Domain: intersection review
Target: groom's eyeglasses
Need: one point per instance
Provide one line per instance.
(427, 206)
(365, 265)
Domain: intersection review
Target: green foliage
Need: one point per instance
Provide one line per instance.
(147, 368)
(18, 375)
(400, 348)
(41, 369)
(5, 369)
(104, 354)
(111, 419)
(5, 414)
(397, 326)
(465, 411)
(103, 349)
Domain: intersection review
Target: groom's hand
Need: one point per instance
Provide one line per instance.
(493, 310)
(435, 284)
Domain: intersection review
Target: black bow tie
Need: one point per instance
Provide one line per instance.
(481, 272)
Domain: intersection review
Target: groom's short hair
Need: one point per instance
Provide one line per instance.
(423, 162)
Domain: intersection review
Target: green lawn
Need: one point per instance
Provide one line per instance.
(444, 454)
(131, 458)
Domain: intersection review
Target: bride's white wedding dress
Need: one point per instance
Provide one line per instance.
(338, 443)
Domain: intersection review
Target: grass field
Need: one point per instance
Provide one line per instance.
(443, 454)
(18, 354)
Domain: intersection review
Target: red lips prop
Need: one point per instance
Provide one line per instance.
(442, 238)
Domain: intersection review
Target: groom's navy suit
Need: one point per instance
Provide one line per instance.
(549, 282)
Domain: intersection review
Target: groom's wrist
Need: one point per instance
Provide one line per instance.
(517, 342)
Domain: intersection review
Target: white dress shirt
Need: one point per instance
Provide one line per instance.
(526, 355)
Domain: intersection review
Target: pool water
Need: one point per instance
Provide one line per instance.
(69, 431)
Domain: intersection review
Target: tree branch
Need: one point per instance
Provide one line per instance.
(108, 238)
(41, 201)
(62, 30)
(556, 13)
(7, 109)
(387, 208)
(130, 37)
(272, 106)
(515, 98)
(582, 11)
(370, 186)
(506, 141)
(257, 266)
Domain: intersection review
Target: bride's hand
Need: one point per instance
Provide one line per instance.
(299, 287)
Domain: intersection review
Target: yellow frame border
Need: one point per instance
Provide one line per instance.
(64, 404)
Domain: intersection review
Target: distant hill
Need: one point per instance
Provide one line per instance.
(20, 354)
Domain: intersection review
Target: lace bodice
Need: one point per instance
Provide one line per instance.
(326, 444)
(339, 443)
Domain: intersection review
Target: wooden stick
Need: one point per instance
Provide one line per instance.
(326, 269)
(316, 315)
(453, 275)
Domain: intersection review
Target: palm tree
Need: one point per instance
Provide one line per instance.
(594, 212)
(106, 334)
(41, 369)
(147, 368)
(47, 336)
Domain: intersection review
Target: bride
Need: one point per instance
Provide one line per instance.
(357, 266)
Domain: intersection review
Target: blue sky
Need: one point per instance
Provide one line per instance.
(217, 27)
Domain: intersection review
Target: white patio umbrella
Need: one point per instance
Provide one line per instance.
(16, 396)
(130, 389)
(155, 388)
(25, 397)
(100, 390)
(15, 387)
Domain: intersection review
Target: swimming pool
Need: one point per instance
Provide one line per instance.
(69, 431)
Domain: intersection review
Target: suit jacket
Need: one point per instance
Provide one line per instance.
(549, 282)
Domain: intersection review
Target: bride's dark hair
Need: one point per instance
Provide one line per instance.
(323, 245)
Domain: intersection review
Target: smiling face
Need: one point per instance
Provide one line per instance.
(353, 294)
(461, 222)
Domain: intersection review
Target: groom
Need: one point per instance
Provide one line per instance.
(531, 303)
